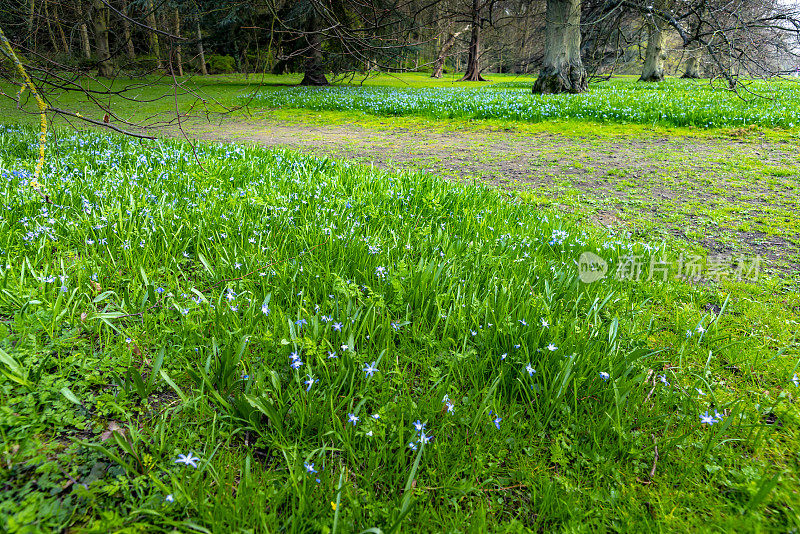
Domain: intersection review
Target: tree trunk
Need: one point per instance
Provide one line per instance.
(562, 70)
(50, 32)
(201, 54)
(100, 22)
(438, 66)
(280, 67)
(653, 70)
(314, 68)
(126, 33)
(178, 58)
(693, 65)
(30, 17)
(84, 31)
(473, 73)
(155, 48)
(61, 30)
(695, 52)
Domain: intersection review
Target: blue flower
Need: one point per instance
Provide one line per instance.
(371, 369)
(604, 375)
(352, 418)
(310, 382)
(309, 467)
(707, 419)
(496, 421)
(337, 326)
(187, 459)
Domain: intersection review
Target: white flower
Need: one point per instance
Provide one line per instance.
(187, 459)
(551, 347)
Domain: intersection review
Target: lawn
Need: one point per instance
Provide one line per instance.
(228, 338)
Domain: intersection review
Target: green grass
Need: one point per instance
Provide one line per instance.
(154, 309)
(614, 107)
(673, 103)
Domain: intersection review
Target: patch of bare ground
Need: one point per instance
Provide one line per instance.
(700, 189)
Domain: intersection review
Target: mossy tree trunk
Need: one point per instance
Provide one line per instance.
(692, 65)
(155, 47)
(178, 57)
(100, 22)
(562, 69)
(126, 33)
(84, 31)
(201, 54)
(694, 52)
(653, 69)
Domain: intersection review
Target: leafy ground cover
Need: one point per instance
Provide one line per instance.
(670, 103)
(261, 340)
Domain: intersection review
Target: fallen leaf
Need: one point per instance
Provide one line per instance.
(112, 427)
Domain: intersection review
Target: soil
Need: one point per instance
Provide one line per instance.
(689, 182)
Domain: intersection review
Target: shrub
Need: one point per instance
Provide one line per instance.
(220, 64)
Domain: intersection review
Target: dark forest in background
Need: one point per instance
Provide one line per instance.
(565, 42)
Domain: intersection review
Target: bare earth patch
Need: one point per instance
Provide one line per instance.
(728, 195)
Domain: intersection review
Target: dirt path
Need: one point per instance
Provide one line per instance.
(731, 196)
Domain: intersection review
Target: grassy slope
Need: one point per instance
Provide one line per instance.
(583, 469)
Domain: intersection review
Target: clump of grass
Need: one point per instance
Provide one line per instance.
(668, 103)
(275, 339)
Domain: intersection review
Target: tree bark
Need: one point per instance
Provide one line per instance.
(692, 67)
(60, 30)
(313, 67)
(438, 66)
(100, 21)
(126, 33)
(695, 52)
(50, 32)
(178, 58)
(653, 70)
(30, 17)
(562, 70)
(473, 73)
(200, 52)
(84, 31)
(280, 67)
(155, 48)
